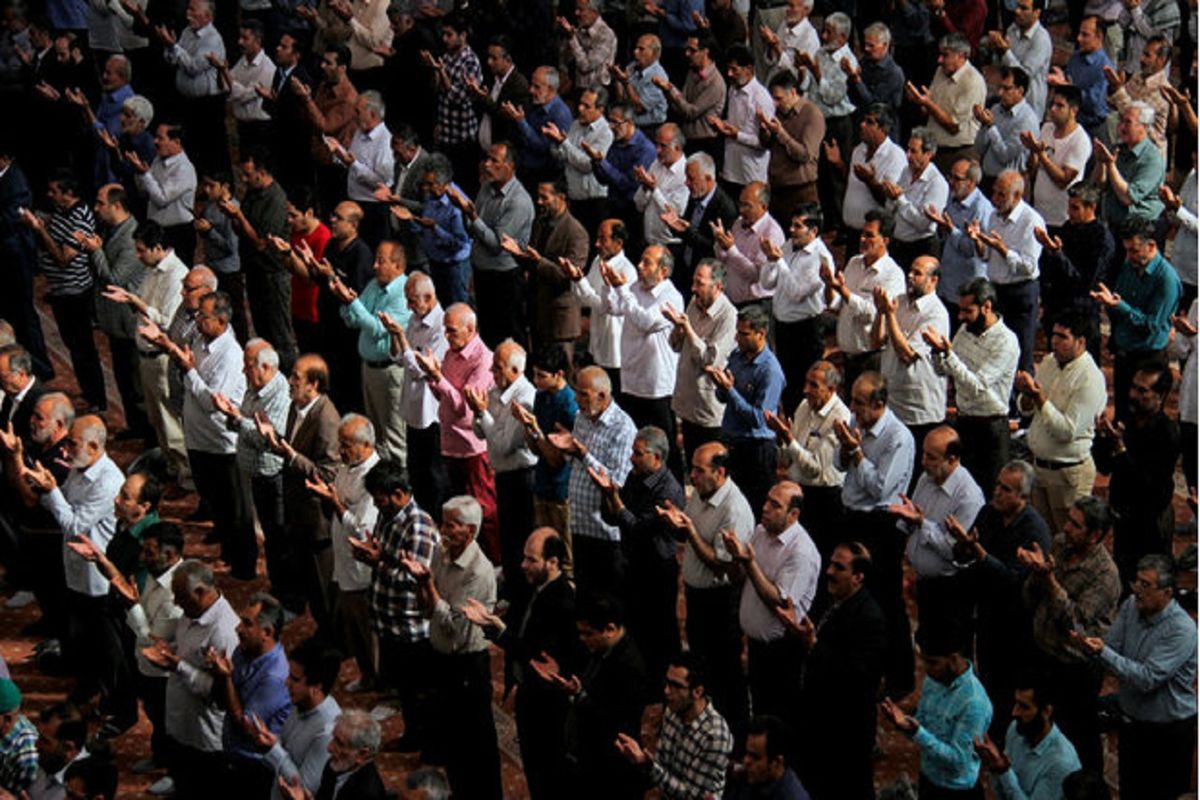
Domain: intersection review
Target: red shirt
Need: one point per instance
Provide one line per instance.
(304, 292)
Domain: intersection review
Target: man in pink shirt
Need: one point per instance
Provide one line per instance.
(468, 364)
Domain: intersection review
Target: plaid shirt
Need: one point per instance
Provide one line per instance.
(691, 758)
(609, 442)
(19, 756)
(394, 605)
(457, 120)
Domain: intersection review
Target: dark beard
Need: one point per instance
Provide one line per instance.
(1030, 731)
(978, 325)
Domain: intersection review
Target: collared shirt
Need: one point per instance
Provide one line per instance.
(796, 149)
(758, 383)
(447, 240)
(616, 169)
(1143, 168)
(591, 51)
(961, 262)
(915, 391)
(609, 442)
(647, 361)
(373, 163)
(369, 29)
(999, 144)
(374, 341)
(170, 186)
(1147, 89)
(1063, 428)
(19, 756)
(927, 189)
(1073, 151)
(982, 367)
(1037, 772)
(653, 100)
(469, 577)
(744, 261)
(303, 746)
(75, 277)
(1016, 229)
(154, 615)
(457, 117)
(356, 522)
(957, 95)
(670, 191)
(1142, 320)
(691, 757)
(703, 94)
(1086, 71)
(795, 279)
(930, 547)
(195, 77)
(1031, 50)
(248, 75)
(811, 455)
(221, 241)
(1155, 660)
(951, 718)
(1183, 256)
(791, 562)
(856, 315)
(794, 38)
(535, 156)
(1085, 600)
(504, 209)
(255, 456)
(83, 506)
(471, 366)
(708, 344)
(829, 93)
(553, 407)
(218, 370)
(193, 717)
(505, 434)
(746, 159)
(726, 509)
(877, 481)
(582, 183)
(261, 685)
(889, 161)
(604, 335)
(395, 609)
(418, 406)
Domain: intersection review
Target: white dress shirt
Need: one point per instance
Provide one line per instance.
(1031, 50)
(746, 159)
(161, 290)
(358, 520)
(245, 103)
(791, 562)
(170, 186)
(1063, 428)
(982, 367)
(1024, 250)
(889, 161)
(856, 315)
(648, 364)
(670, 191)
(708, 344)
(744, 261)
(373, 164)
(505, 434)
(154, 615)
(916, 392)
(829, 93)
(795, 279)
(927, 189)
(727, 508)
(811, 456)
(195, 76)
(930, 547)
(418, 406)
(604, 334)
(800, 37)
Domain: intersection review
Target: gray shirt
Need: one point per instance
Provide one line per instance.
(470, 575)
(218, 369)
(193, 718)
(726, 508)
(254, 455)
(303, 746)
(506, 209)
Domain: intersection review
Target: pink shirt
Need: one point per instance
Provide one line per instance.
(471, 366)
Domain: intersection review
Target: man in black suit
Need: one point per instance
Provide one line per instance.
(21, 388)
(846, 644)
(290, 121)
(707, 203)
(18, 253)
(351, 771)
(544, 624)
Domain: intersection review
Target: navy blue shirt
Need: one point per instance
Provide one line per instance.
(757, 385)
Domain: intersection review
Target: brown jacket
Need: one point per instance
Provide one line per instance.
(316, 446)
(794, 153)
(557, 311)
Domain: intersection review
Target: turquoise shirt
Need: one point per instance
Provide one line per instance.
(1142, 167)
(951, 718)
(374, 342)
(1142, 320)
(1037, 773)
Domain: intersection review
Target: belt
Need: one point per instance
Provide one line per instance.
(1055, 465)
(146, 354)
(379, 364)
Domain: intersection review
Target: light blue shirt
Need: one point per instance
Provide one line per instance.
(1031, 50)
(930, 547)
(1155, 661)
(609, 442)
(1037, 772)
(83, 506)
(885, 469)
(218, 370)
(999, 144)
(951, 718)
(374, 342)
(374, 163)
(961, 263)
(448, 239)
(654, 102)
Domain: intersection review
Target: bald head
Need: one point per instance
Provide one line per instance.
(460, 323)
(593, 391)
(87, 440)
(941, 453)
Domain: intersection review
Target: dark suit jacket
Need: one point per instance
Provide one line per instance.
(20, 419)
(699, 238)
(615, 692)
(551, 628)
(315, 443)
(364, 784)
(16, 240)
(516, 91)
(557, 311)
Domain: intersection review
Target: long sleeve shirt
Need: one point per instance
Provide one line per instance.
(468, 577)
(920, 192)
(457, 117)
(303, 746)
(982, 367)
(703, 93)
(915, 391)
(708, 344)
(83, 506)
(961, 262)
(590, 51)
(654, 102)
(247, 75)
(218, 370)
(369, 29)
(356, 522)
(447, 241)
(1154, 658)
(193, 717)
(609, 441)
(746, 159)
(1024, 250)
(170, 186)
(1083, 599)
(604, 335)
(648, 363)
(154, 615)
(855, 316)
(615, 170)
(691, 757)
(395, 609)
(582, 183)
(418, 405)
(795, 281)
(362, 313)
(758, 383)
(930, 547)
(1031, 50)
(1142, 320)
(811, 457)
(505, 434)
(883, 473)
(1063, 428)
(999, 144)
(502, 209)
(261, 685)
(471, 366)
(1183, 256)
(254, 455)
(951, 717)
(1143, 168)
(195, 77)
(373, 163)
(882, 82)
(1086, 72)
(670, 191)
(536, 155)
(829, 93)
(744, 261)
(1037, 772)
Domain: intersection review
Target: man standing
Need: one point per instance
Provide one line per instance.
(1004, 125)
(369, 162)
(535, 159)
(919, 188)
(740, 248)
(589, 47)
(1132, 174)
(254, 70)
(662, 186)
(585, 191)
(1145, 85)
(961, 263)
(949, 101)
(873, 161)
(1026, 44)
(1059, 156)
(1151, 648)
(746, 159)
(707, 203)
(1036, 757)
(192, 54)
(604, 329)
(703, 94)
(457, 129)
(300, 751)
(636, 86)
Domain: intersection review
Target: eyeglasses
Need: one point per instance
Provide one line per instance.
(1142, 585)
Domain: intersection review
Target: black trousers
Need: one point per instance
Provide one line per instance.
(599, 565)
(856, 364)
(500, 301)
(657, 411)
(466, 728)
(919, 432)
(426, 470)
(1154, 760)
(270, 295)
(715, 635)
(129, 384)
(775, 669)
(652, 592)
(928, 791)
(16, 306)
(752, 465)
(73, 314)
(182, 239)
(204, 132)
(822, 518)
(267, 491)
(220, 485)
(153, 692)
(407, 667)
(1019, 305)
(515, 516)
(541, 716)
(877, 530)
(89, 652)
(984, 446)
(234, 285)
(695, 435)
(798, 345)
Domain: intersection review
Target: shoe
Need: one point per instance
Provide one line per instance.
(20, 599)
(360, 685)
(145, 766)
(163, 787)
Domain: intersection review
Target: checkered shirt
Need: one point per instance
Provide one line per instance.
(19, 756)
(457, 119)
(691, 758)
(609, 441)
(395, 608)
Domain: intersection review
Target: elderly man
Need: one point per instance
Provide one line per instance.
(746, 159)
(740, 248)
(502, 208)
(707, 203)
(878, 78)
(1151, 648)
(795, 135)
(982, 361)
(535, 158)
(590, 127)
(1059, 156)
(662, 186)
(602, 440)
(169, 184)
(351, 767)
(795, 35)
(369, 161)
(501, 426)
(1132, 175)
(353, 516)
(1064, 398)
(703, 337)
(382, 378)
(635, 83)
(961, 262)
(781, 565)
(1146, 85)
(615, 168)
(876, 454)
(828, 87)
(950, 100)
(589, 47)
(192, 53)
(22, 390)
(460, 574)
(919, 188)
(604, 329)
(1074, 586)
(1002, 127)
(467, 367)
(19, 758)
(703, 93)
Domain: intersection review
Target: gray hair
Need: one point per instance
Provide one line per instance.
(208, 6)
(716, 269)
(840, 22)
(62, 410)
(374, 102)
(440, 166)
(421, 283)
(7, 335)
(140, 107)
(362, 731)
(974, 170)
(466, 508)
(655, 440)
(516, 354)
(207, 277)
(955, 43)
(468, 313)
(926, 137)
(124, 67)
(551, 74)
(432, 780)
(596, 379)
(677, 137)
(270, 612)
(1145, 111)
(655, 43)
(364, 432)
(1016, 177)
(880, 31)
(94, 431)
(266, 356)
(19, 359)
(708, 167)
(829, 373)
(1025, 470)
(1163, 566)
(192, 575)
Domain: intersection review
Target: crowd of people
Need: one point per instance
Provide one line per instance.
(520, 326)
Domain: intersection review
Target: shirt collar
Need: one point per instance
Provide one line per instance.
(507, 395)
(365, 465)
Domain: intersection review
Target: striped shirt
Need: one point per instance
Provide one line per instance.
(19, 762)
(609, 442)
(692, 756)
(74, 277)
(395, 608)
